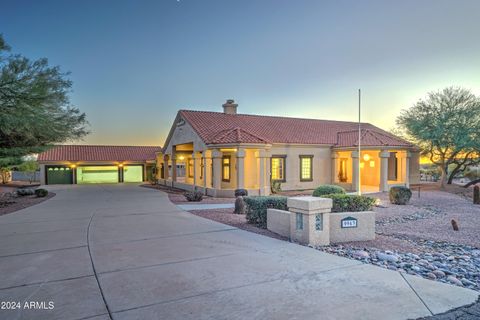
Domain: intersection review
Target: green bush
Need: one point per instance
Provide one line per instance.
(350, 203)
(257, 208)
(400, 195)
(195, 196)
(25, 192)
(41, 193)
(328, 189)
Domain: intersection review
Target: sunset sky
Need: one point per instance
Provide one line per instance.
(135, 63)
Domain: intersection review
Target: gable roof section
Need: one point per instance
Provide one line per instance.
(99, 153)
(221, 128)
(370, 138)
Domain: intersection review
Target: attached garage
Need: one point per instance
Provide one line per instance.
(97, 174)
(89, 164)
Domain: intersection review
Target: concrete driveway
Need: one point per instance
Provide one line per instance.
(125, 252)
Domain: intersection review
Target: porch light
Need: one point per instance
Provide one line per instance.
(372, 164)
(366, 157)
(72, 166)
(181, 158)
(120, 165)
(362, 165)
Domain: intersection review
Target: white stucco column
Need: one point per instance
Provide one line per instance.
(407, 156)
(384, 155)
(174, 164)
(240, 168)
(268, 171)
(263, 178)
(334, 167)
(165, 167)
(205, 164)
(217, 168)
(355, 166)
(195, 171)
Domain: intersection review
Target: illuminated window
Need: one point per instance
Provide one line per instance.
(342, 170)
(278, 168)
(226, 168)
(190, 167)
(306, 169)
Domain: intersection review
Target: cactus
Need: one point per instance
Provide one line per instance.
(476, 195)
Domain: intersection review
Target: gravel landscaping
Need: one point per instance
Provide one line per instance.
(9, 202)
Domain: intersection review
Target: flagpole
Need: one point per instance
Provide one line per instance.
(359, 184)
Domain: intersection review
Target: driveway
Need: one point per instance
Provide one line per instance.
(125, 252)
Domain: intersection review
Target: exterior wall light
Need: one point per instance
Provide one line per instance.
(72, 166)
(366, 157)
(362, 165)
(120, 165)
(181, 158)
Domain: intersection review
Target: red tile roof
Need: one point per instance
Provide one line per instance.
(221, 128)
(369, 138)
(98, 153)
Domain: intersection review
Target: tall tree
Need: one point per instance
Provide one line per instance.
(446, 125)
(35, 110)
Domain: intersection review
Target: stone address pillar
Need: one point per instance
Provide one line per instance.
(384, 155)
(310, 220)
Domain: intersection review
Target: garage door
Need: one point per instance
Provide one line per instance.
(59, 175)
(97, 174)
(133, 173)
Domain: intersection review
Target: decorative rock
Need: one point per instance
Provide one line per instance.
(438, 273)
(387, 257)
(431, 276)
(455, 281)
(467, 282)
(360, 254)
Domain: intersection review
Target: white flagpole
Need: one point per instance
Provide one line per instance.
(359, 144)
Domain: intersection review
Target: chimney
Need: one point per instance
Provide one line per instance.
(230, 107)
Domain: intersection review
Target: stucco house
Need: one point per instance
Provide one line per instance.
(223, 151)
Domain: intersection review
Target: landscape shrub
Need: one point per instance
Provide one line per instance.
(240, 207)
(241, 192)
(275, 186)
(257, 208)
(25, 192)
(328, 189)
(41, 193)
(350, 203)
(400, 195)
(195, 196)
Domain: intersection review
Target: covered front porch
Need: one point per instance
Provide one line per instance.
(216, 171)
(380, 169)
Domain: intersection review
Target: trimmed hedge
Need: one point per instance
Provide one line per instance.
(350, 203)
(257, 208)
(40, 193)
(400, 195)
(328, 189)
(195, 196)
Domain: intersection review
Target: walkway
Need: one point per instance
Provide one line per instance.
(125, 252)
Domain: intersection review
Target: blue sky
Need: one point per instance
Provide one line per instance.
(135, 63)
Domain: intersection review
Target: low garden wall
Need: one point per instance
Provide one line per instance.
(309, 220)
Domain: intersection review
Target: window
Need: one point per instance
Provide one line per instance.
(190, 167)
(342, 170)
(226, 168)
(306, 168)
(278, 168)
